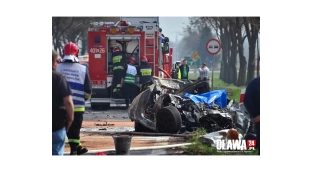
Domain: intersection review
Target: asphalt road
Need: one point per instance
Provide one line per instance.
(114, 113)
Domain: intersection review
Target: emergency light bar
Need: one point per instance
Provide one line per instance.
(124, 37)
(102, 24)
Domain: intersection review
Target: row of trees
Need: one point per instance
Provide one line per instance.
(195, 37)
(74, 29)
(232, 33)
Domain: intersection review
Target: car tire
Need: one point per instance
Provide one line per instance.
(168, 120)
(138, 127)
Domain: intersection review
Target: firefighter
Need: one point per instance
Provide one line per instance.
(128, 81)
(77, 76)
(177, 69)
(144, 71)
(118, 70)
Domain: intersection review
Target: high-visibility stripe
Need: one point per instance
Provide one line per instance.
(118, 67)
(73, 141)
(117, 59)
(118, 85)
(78, 92)
(78, 98)
(80, 109)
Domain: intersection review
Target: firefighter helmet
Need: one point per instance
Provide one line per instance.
(143, 59)
(132, 60)
(70, 52)
(116, 49)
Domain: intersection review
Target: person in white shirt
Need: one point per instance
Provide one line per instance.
(203, 71)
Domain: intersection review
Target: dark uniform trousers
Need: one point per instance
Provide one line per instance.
(118, 73)
(130, 91)
(74, 131)
(118, 69)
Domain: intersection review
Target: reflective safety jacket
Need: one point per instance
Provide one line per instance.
(78, 78)
(145, 72)
(179, 73)
(118, 61)
(130, 74)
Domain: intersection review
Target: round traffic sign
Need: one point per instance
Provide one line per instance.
(213, 46)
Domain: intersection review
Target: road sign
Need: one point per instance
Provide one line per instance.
(213, 46)
(191, 62)
(195, 55)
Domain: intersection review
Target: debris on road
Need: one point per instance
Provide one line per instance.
(140, 134)
(106, 124)
(176, 106)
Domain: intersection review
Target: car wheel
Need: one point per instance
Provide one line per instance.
(138, 127)
(168, 120)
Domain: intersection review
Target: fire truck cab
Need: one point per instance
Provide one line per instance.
(136, 37)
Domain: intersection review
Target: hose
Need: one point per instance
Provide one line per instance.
(164, 72)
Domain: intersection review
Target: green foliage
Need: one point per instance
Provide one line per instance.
(233, 92)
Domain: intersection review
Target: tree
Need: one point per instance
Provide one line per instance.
(232, 32)
(205, 35)
(59, 26)
(74, 29)
(189, 42)
(252, 26)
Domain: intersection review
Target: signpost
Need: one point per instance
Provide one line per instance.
(195, 58)
(213, 47)
(195, 55)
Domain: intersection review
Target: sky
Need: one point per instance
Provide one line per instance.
(172, 25)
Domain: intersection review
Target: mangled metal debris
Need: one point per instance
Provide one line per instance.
(176, 106)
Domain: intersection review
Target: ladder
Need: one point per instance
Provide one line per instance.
(150, 44)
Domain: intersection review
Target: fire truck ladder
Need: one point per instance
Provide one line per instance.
(150, 46)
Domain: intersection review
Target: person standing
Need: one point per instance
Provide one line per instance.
(144, 71)
(78, 78)
(252, 105)
(128, 82)
(177, 73)
(203, 71)
(184, 68)
(118, 68)
(62, 108)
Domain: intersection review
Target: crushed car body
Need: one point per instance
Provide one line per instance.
(177, 106)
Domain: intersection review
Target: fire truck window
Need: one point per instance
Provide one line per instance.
(166, 47)
(97, 39)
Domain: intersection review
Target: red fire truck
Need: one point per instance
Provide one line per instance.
(135, 36)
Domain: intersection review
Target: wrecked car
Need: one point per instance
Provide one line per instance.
(176, 106)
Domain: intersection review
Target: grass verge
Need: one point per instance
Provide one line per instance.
(233, 92)
(199, 148)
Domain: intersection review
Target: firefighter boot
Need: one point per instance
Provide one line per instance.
(81, 150)
(73, 148)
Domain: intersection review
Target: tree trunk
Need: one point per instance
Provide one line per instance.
(84, 46)
(233, 70)
(242, 66)
(224, 50)
(251, 60)
(252, 32)
(228, 52)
